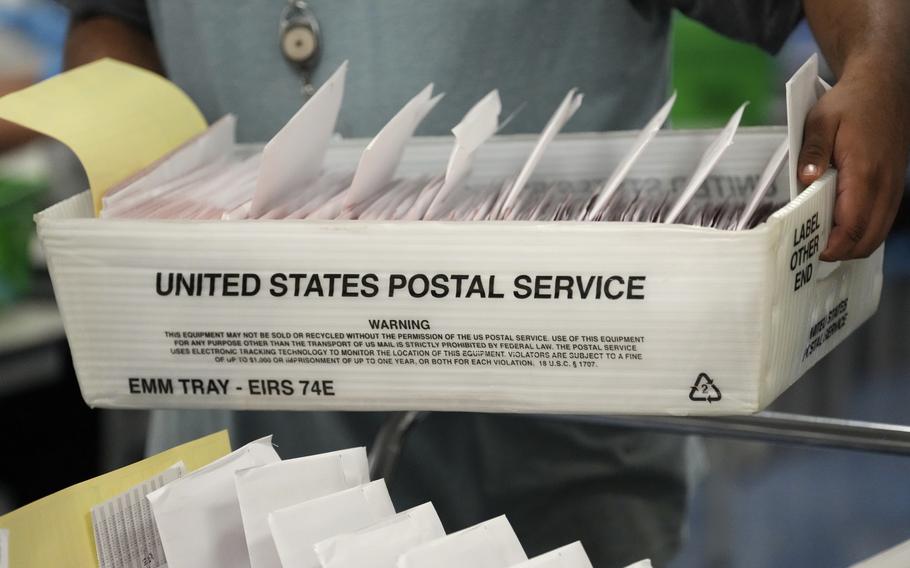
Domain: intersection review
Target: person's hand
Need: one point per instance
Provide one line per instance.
(13, 135)
(862, 127)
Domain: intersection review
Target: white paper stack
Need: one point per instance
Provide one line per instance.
(290, 181)
(249, 509)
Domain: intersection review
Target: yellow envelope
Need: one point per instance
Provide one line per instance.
(116, 117)
(57, 530)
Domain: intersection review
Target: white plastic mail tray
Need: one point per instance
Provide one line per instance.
(569, 317)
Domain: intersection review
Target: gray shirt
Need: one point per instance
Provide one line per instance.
(226, 55)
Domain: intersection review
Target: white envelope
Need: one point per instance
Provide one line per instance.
(297, 529)
(198, 516)
(566, 109)
(764, 184)
(646, 135)
(708, 160)
(294, 156)
(897, 557)
(380, 158)
(491, 544)
(477, 126)
(380, 545)
(569, 556)
(802, 94)
(265, 489)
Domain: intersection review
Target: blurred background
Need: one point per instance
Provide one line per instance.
(758, 504)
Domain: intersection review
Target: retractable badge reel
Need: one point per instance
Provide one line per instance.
(301, 41)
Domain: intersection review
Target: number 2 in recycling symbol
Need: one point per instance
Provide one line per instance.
(704, 390)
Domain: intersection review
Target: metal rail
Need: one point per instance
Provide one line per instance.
(780, 428)
(774, 427)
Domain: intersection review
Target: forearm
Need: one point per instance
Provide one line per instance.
(103, 36)
(12, 135)
(862, 126)
(855, 35)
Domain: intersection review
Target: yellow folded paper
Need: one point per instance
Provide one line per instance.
(117, 118)
(57, 530)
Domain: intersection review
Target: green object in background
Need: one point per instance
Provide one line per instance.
(18, 203)
(714, 75)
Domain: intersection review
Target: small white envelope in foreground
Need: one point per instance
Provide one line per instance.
(198, 516)
(491, 544)
(297, 529)
(897, 557)
(569, 556)
(380, 545)
(264, 489)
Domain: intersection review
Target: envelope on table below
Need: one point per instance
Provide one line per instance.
(491, 544)
(265, 489)
(297, 529)
(380, 545)
(198, 516)
(569, 556)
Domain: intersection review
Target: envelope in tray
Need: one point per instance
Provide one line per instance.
(573, 317)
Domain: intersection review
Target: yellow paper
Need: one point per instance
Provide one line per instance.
(57, 530)
(117, 118)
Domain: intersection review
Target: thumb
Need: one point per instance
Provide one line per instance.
(818, 144)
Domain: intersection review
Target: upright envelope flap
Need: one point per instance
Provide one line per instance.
(380, 158)
(566, 109)
(708, 160)
(294, 156)
(616, 178)
(474, 129)
(765, 181)
(477, 126)
(803, 91)
(116, 117)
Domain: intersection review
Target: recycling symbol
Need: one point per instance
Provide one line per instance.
(704, 389)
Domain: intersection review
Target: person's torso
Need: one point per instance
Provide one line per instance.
(226, 55)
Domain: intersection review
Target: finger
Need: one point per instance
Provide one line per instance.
(818, 144)
(884, 212)
(853, 211)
